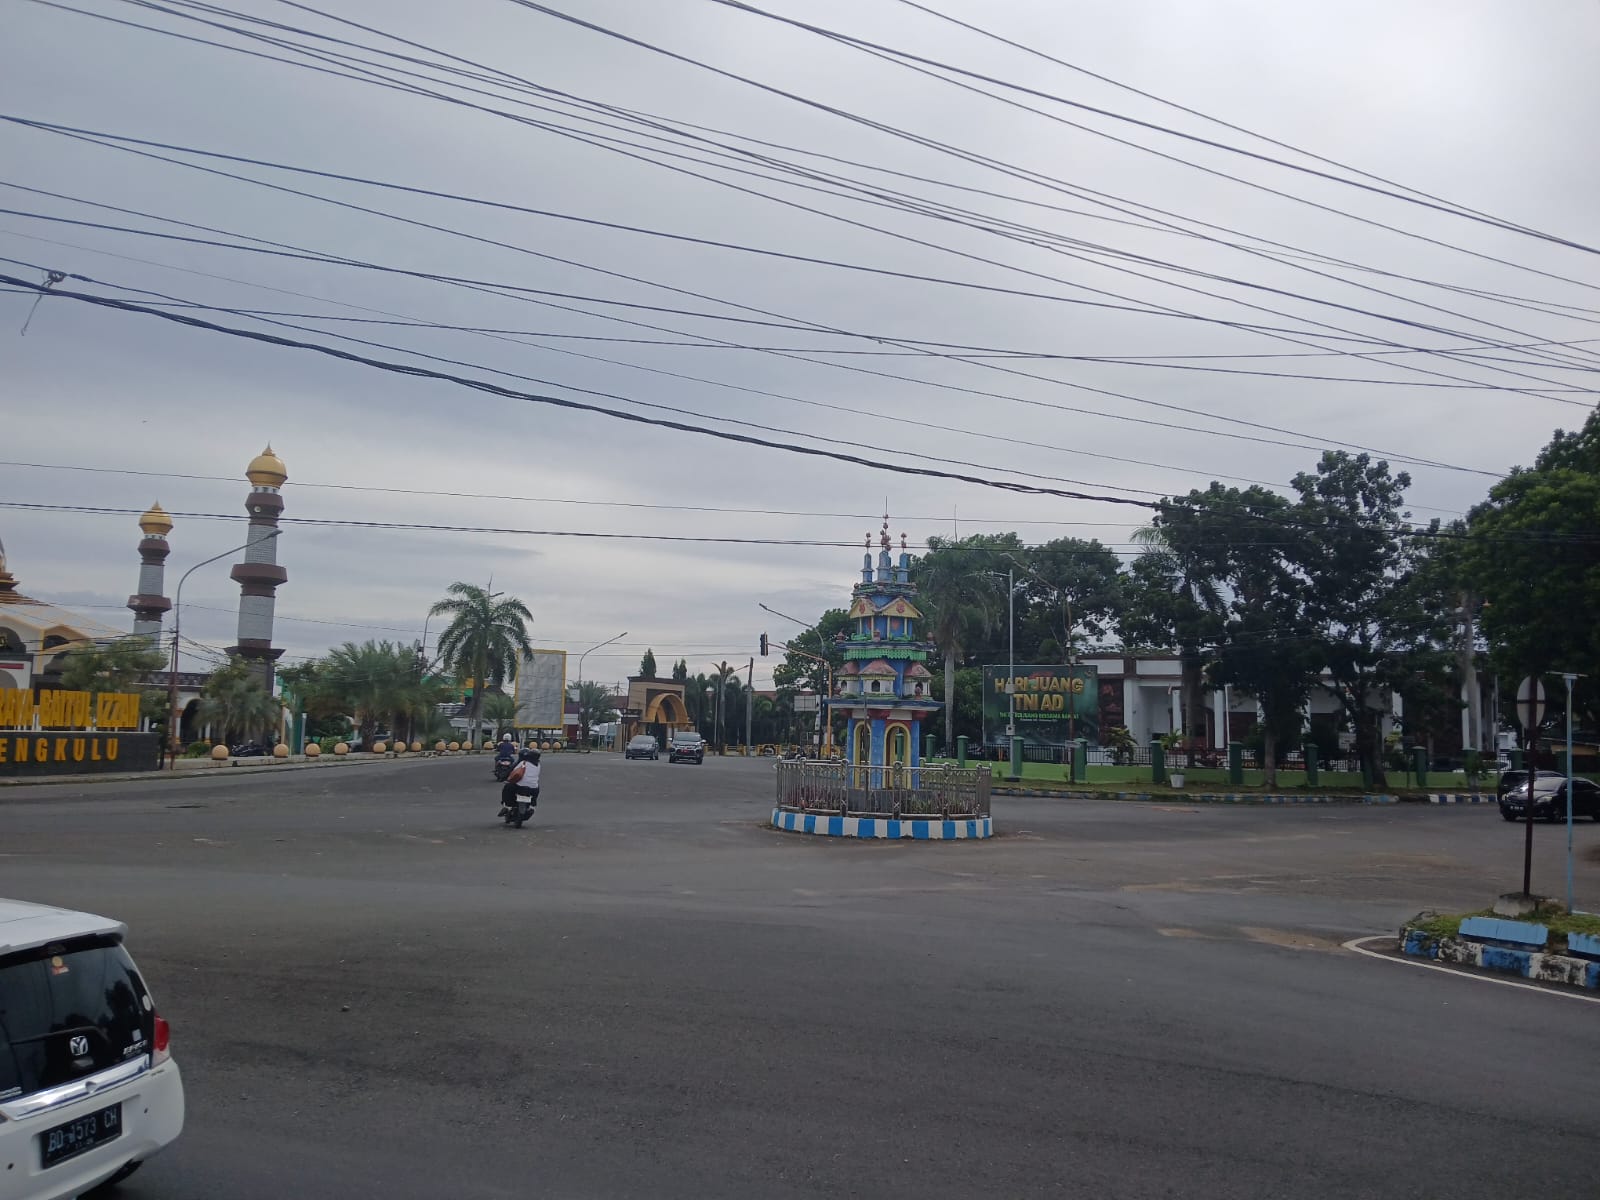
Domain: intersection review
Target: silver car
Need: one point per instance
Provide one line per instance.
(88, 1085)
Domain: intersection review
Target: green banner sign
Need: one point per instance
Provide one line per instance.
(1054, 704)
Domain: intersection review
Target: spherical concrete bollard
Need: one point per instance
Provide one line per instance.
(313, 750)
(488, 743)
(416, 747)
(341, 748)
(453, 747)
(438, 747)
(219, 753)
(380, 747)
(399, 747)
(560, 745)
(280, 751)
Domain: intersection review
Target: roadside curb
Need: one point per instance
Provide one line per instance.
(233, 770)
(1193, 797)
(931, 829)
(1460, 798)
(1558, 969)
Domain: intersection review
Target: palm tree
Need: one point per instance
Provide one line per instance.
(719, 680)
(501, 709)
(235, 700)
(958, 606)
(594, 706)
(486, 637)
(372, 682)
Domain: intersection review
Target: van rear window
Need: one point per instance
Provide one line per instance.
(68, 1010)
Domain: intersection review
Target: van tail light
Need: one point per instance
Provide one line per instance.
(163, 1041)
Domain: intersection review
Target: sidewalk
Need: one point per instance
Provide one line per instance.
(205, 768)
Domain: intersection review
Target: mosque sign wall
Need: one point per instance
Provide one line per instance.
(67, 733)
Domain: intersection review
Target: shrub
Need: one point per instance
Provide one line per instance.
(197, 750)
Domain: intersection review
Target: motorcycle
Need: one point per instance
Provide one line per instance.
(502, 768)
(518, 811)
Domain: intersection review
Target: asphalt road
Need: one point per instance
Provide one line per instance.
(378, 991)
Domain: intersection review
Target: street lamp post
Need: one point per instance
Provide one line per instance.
(710, 699)
(581, 719)
(177, 626)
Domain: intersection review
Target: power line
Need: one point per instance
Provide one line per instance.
(367, 77)
(279, 249)
(907, 56)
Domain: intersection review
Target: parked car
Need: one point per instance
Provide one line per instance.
(88, 1086)
(643, 746)
(1550, 799)
(686, 747)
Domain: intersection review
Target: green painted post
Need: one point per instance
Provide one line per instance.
(1235, 764)
(1366, 775)
(1516, 759)
(1016, 758)
(1080, 761)
(927, 746)
(1311, 764)
(961, 751)
(1419, 760)
(1158, 761)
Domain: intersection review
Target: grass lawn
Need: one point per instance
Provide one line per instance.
(1138, 778)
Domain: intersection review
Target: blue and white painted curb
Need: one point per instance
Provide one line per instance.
(1460, 798)
(1530, 964)
(930, 829)
(1196, 797)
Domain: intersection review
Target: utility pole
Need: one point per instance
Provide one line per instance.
(749, 704)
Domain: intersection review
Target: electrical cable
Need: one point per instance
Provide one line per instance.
(906, 56)
(272, 248)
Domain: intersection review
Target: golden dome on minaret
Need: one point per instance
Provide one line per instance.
(156, 522)
(267, 470)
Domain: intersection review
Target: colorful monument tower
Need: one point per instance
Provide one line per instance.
(150, 603)
(884, 686)
(259, 574)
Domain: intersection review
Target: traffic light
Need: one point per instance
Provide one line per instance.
(763, 645)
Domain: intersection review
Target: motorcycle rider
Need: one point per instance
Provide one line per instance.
(506, 751)
(523, 780)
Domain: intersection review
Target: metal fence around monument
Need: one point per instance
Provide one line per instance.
(851, 790)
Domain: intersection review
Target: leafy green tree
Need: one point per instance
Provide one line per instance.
(125, 664)
(960, 599)
(1265, 647)
(1073, 590)
(484, 641)
(1534, 555)
(235, 701)
(594, 706)
(1368, 621)
(647, 664)
(680, 671)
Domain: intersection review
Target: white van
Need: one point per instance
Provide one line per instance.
(88, 1087)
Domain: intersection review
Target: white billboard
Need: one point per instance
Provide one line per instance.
(541, 693)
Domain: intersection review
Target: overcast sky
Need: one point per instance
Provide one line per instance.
(1483, 105)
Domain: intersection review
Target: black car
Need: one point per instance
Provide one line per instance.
(643, 746)
(1550, 799)
(1511, 781)
(686, 747)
